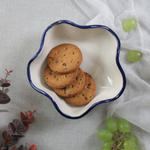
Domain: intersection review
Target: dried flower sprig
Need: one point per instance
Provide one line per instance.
(16, 129)
(21, 147)
(4, 84)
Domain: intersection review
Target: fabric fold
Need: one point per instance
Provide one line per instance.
(134, 104)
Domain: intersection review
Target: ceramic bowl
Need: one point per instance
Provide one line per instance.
(100, 47)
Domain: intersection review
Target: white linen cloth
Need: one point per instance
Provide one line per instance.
(21, 26)
(134, 104)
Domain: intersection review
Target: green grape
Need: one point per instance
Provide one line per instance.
(129, 24)
(134, 55)
(133, 138)
(107, 144)
(111, 124)
(104, 135)
(124, 126)
(136, 148)
(106, 148)
(129, 144)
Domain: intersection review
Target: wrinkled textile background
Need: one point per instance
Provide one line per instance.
(134, 104)
(22, 24)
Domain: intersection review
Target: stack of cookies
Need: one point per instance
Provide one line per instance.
(64, 75)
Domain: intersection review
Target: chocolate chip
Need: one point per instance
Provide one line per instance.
(86, 98)
(56, 52)
(90, 76)
(64, 64)
(89, 84)
(51, 72)
(51, 58)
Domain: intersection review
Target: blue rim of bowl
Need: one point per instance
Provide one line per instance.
(81, 27)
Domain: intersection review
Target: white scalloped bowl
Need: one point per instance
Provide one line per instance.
(100, 47)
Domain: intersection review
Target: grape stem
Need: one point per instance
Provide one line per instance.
(118, 138)
(128, 134)
(117, 134)
(120, 134)
(118, 144)
(114, 137)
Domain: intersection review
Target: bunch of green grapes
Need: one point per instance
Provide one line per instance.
(133, 55)
(117, 136)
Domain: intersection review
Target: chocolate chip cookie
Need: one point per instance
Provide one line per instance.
(87, 93)
(56, 80)
(74, 88)
(64, 58)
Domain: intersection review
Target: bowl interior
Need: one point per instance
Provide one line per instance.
(99, 48)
